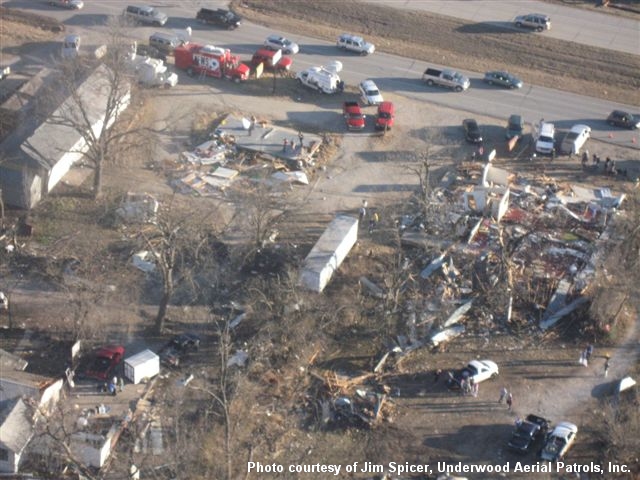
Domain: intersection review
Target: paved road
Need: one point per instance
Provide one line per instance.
(573, 24)
(392, 73)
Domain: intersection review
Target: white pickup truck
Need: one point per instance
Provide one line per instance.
(446, 78)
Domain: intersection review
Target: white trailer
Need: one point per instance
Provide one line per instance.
(143, 365)
(328, 253)
(153, 73)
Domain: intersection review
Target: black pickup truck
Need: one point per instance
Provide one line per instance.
(220, 17)
(527, 432)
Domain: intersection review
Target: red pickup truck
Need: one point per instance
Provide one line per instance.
(353, 115)
(272, 60)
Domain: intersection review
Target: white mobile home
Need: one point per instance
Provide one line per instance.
(328, 253)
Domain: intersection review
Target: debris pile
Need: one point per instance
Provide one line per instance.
(340, 401)
(496, 248)
(236, 147)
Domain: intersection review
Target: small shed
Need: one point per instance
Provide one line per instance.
(143, 365)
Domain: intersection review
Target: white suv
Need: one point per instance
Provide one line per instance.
(145, 14)
(355, 44)
(545, 142)
(276, 42)
(537, 21)
(369, 93)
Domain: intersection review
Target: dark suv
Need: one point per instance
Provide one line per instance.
(221, 17)
(619, 118)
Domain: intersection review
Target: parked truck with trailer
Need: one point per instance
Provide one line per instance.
(272, 60)
(210, 61)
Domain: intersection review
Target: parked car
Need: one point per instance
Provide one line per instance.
(145, 14)
(179, 346)
(386, 116)
(356, 44)
(503, 79)
(545, 141)
(478, 370)
(220, 16)
(536, 21)
(528, 432)
(276, 42)
(369, 93)
(165, 42)
(353, 115)
(102, 363)
(70, 47)
(558, 442)
(575, 139)
(619, 118)
(70, 4)
(515, 126)
(471, 131)
(150, 51)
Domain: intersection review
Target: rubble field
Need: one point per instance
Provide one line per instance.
(490, 261)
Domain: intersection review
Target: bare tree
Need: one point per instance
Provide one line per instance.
(181, 244)
(262, 209)
(221, 394)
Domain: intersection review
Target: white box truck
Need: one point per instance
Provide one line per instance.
(141, 366)
(328, 253)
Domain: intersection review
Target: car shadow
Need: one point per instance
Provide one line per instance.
(326, 50)
(87, 20)
(489, 27)
(31, 5)
(480, 439)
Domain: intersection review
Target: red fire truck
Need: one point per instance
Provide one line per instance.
(210, 61)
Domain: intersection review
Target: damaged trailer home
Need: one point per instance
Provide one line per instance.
(328, 253)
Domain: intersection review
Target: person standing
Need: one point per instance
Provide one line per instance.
(436, 375)
(509, 401)
(121, 384)
(503, 394)
(606, 366)
(582, 359)
(589, 351)
(301, 138)
(363, 213)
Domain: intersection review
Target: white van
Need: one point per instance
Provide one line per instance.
(575, 139)
(320, 79)
(545, 143)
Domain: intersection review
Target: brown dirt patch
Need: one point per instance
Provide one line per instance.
(478, 47)
(12, 26)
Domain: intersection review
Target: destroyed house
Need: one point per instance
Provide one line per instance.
(38, 156)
